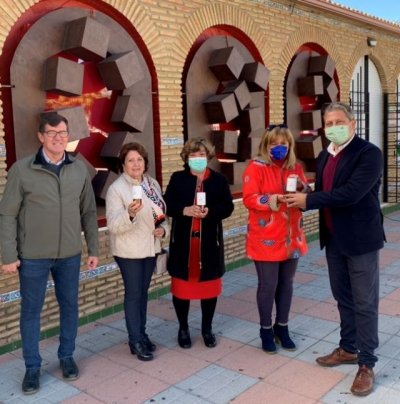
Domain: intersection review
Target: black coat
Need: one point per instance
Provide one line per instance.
(181, 193)
(354, 199)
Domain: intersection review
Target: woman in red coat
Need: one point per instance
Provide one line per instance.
(275, 238)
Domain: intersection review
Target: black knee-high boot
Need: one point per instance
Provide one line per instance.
(207, 310)
(182, 312)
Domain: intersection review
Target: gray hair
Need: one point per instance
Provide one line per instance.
(340, 106)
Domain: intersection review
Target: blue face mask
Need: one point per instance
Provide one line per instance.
(198, 164)
(279, 152)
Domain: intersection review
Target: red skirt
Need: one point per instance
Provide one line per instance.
(193, 288)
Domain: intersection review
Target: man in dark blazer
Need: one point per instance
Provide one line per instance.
(351, 230)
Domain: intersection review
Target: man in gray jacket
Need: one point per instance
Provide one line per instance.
(47, 201)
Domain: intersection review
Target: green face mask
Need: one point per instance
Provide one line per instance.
(338, 134)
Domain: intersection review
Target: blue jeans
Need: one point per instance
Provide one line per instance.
(136, 274)
(33, 275)
(355, 286)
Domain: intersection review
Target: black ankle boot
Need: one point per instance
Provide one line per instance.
(184, 340)
(31, 384)
(267, 340)
(282, 337)
(209, 339)
(141, 351)
(150, 345)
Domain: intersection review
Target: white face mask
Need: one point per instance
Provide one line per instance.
(338, 134)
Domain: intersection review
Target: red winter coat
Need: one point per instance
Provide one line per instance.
(272, 235)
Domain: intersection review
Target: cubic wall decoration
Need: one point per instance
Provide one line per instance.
(86, 42)
(86, 38)
(310, 86)
(226, 64)
(221, 108)
(241, 92)
(121, 71)
(130, 112)
(308, 147)
(237, 103)
(114, 143)
(102, 181)
(63, 76)
(225, 141)
(256, 75)
(315, 85)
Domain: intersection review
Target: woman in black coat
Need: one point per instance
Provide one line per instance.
(196, 252)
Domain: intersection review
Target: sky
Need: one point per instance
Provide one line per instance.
(387, 9)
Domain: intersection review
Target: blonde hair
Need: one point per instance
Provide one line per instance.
(269, 136)
(196, 144)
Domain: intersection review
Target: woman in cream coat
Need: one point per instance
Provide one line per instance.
(136, 225)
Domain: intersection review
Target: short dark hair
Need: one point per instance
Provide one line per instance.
(51, 118)
(133, 146)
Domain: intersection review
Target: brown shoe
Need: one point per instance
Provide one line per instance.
(364, 381)
(338, 357)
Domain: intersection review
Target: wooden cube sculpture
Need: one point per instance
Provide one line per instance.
(257, 99)
(221, 108)
(331, 91)
(226, 64)
(324, 65)
(233, 171)
(77, 122)
(130, 112)
(121, 70)
(225, 141)
(251, 119)
(248, 146)
(308, 147)
(114, 143)
(310, 86)
(102, 181)
(241, 92)
(311, 120)
(86, 38)
(256, 76)
(63, 76)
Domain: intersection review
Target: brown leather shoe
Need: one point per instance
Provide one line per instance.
(364, 381)
(338, 357)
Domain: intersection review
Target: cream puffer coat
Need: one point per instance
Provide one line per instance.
(132, 239)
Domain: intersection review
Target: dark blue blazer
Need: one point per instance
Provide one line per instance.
(354, 200)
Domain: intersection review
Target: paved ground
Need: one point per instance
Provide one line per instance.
(237, 369)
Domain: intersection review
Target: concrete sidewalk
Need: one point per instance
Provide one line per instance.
(237, 369)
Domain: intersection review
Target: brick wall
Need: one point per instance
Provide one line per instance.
(169, 28)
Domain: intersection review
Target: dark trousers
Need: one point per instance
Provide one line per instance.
(33, 275)
(355, 286)
(136, 274)
(275, 283)
(207, 311)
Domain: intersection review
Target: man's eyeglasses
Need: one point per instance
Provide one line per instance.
(281, 125)
(54, 133)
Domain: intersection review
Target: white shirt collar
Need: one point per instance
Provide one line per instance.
(48, 159)
(333, 152)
